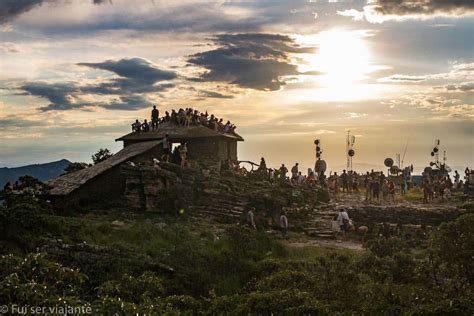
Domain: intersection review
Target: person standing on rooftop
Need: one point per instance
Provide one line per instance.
(155, 115)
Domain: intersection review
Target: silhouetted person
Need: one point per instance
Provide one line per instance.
(145, 126)
(155, 115)
(136, 127)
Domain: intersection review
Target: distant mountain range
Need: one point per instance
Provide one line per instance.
(42, 172)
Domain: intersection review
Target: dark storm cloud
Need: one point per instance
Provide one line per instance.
(61, 95)
(138, 75)
(10, 9)
(422, 7)
(256, 61)
(138, 69)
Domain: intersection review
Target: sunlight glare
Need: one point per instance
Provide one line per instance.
(343, 58)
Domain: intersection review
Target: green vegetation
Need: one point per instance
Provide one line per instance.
(101, 155)
(122, 262)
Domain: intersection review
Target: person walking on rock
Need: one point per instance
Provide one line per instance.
(343, 221)
(251, 219)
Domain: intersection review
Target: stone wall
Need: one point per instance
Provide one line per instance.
(221, 197)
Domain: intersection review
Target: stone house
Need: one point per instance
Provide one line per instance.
(205, 145)
(107, 181)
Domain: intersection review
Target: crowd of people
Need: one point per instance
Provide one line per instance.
(378, 187)
(442, 186)
(183, 117)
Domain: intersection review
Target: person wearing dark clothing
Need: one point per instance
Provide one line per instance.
(345, 181)
(155, 115)
(136, 127)
(145, 126)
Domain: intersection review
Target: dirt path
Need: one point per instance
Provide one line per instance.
(346, 244)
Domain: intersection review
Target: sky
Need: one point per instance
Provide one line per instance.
(397, 74)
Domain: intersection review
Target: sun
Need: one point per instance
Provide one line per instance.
(343, 58)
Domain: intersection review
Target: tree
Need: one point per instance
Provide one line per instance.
(101, 155)
(75, 166)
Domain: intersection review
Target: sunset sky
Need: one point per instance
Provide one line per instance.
(74, 74)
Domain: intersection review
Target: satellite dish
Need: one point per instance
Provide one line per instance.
(318, 148)
(432, 154)
(435, 149)
(351, 152)
(388, 162)
(432, 164)
(394, 170)
(320, 166)
(447, 168)
(316, 142)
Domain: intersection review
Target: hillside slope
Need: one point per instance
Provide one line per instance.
(43, 172)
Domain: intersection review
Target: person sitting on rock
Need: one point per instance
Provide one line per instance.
(136, 127)
(145, 126)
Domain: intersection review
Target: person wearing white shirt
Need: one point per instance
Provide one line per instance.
(343, 221)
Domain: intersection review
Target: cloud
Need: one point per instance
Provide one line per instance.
(128, 103)
(62, 96)
(8, 47)
(378, 11)
(353, 13)
(12, 122)
(213, 94)
(138, 69)
(10, 9)
(397, 78)
(253, 60)
(137, 75)
(458, 72)
(462, 87)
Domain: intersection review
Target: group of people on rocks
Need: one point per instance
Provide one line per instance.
(378, 187)
(283, 221)
(342, 220)
(179, 155)
(183, 117)
(441, 186)
(296, 177)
